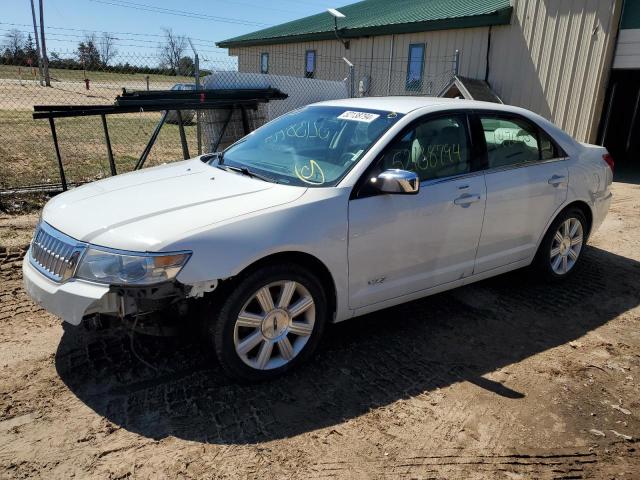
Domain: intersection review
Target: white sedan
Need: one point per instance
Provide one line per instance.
(332, 211)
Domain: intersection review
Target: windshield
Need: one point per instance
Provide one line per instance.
(313, 146)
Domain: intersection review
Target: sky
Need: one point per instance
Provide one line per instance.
(137, 24)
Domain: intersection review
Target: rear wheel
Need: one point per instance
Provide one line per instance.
(270, 321)
(562, 246)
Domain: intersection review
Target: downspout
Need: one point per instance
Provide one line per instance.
(486, 68)
(393, 37)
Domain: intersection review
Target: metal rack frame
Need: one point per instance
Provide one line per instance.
(158, 101)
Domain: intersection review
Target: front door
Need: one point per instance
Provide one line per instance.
(527, 181)
(401, 244)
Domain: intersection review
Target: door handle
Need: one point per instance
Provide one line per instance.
(557, 180)
(467, 199)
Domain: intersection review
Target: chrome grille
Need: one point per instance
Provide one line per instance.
(54, 254)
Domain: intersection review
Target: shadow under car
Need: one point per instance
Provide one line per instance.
(173, 386)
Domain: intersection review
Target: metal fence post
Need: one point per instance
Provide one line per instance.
(456, 62)
(198, 112)
(393, 37)
(351, 77)
(196, 74)
(353, 80)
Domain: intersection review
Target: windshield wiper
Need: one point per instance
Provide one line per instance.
(247, 172)
(209, 157)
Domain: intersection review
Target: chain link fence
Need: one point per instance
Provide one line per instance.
(27, 156)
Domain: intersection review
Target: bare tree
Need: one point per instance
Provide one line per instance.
(172, 50)
(14, 43)
(107, 48)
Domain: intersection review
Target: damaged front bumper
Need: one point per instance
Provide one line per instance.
(72, 300)
(156, 308)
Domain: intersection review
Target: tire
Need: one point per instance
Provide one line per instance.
(561, 250)
(289, 332)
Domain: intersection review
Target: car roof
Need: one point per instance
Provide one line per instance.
(406, 104)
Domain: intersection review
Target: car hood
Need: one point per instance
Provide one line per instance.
(147, 209)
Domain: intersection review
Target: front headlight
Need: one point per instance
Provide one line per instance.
(125, 268)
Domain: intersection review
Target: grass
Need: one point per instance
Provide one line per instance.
(61, 75)
(27, 155)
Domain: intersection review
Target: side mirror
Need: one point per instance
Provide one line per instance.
(397, 181)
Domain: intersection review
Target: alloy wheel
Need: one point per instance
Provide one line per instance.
(566, 246)
(274, 325)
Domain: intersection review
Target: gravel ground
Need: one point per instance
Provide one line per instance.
(507, 378)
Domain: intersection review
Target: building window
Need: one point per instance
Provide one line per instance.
(310, 64)
(264, 63)
(415, 66)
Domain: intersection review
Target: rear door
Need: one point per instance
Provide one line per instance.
(526, 179)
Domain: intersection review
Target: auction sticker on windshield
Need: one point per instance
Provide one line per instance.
(359, 116)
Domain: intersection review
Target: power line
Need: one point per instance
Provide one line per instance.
(55, 38)
(154, 42)
(324, 2)
(179, 13)
(104, 31)
(253, 5)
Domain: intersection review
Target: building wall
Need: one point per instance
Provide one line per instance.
(554, 58)
(373, 57)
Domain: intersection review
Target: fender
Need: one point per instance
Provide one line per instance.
(314, 225)
(560, 209)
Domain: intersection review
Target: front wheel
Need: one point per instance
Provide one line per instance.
(562, 246)
(271, 320)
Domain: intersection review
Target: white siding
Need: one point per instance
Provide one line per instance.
(628, 49)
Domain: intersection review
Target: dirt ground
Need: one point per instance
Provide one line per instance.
(507, 378)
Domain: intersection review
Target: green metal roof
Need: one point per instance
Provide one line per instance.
(382, 17)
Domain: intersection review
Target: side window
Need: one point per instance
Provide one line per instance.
(510, 141)
(310, 63)
(434, 148)
(548, 148)
(415, 66)
(264, 63)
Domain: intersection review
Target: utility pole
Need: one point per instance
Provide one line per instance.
(45, 60)
(35, 33)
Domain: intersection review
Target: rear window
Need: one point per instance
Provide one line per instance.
(509, 141)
